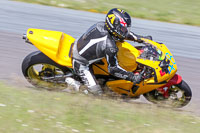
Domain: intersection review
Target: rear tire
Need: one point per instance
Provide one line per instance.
(35, 77)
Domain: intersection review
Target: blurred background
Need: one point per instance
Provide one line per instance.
(176, 11)
(24, 109)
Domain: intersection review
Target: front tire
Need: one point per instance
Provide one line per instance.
(40, 71)
(180, 95)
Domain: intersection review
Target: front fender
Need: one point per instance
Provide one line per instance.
(174, 80)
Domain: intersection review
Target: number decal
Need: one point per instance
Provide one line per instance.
(169, 57)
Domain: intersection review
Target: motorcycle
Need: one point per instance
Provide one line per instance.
(52, 64)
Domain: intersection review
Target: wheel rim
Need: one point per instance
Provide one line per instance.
(37, 74)
(177, 97)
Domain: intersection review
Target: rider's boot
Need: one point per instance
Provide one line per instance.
(72, 83)
(94, 90)
(77, 87)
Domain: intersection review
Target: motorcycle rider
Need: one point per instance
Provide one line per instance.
(100, 41)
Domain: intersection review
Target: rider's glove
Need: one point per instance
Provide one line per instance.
(148, 37)
(137, 78)
(139, 40)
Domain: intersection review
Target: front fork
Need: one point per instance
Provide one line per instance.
(173, 81)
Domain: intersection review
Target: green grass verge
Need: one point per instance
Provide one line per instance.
(176, 11)
(24, 110)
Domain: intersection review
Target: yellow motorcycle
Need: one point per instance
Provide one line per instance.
(52, 64)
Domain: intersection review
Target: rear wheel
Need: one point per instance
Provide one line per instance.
(43, 72)
(179, 96)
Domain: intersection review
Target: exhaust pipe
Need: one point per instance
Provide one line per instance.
(26, 39)
(24, 36)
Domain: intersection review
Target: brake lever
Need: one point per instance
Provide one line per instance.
(142, 73)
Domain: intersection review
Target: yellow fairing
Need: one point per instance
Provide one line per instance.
(127, 55)
(155, 64)
(121, 86)
(101, 69)
(54, 44)
(58, 47)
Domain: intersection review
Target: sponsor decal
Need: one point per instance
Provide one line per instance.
(171, 66)
(122, 22)
(162, 73)
(121, 75)
(119, 10)
(112, 18)
(113, 50)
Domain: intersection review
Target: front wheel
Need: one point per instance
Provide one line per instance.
(179, 95)
(43, 72)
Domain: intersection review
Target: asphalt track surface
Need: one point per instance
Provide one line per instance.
(17, 17)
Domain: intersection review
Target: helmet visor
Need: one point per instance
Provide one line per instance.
(124, 31)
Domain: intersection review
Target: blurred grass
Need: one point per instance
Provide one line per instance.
(175, 11)
(23, 110)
